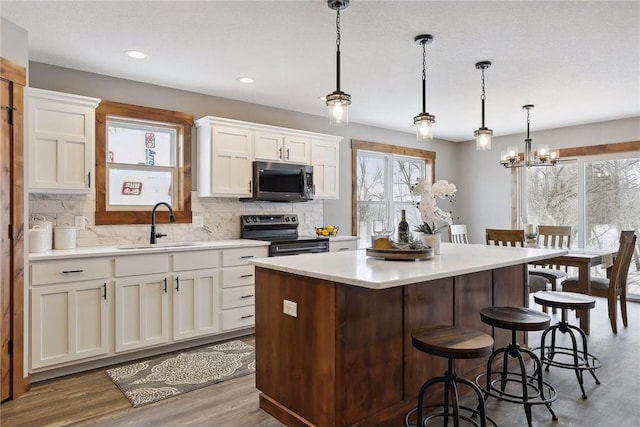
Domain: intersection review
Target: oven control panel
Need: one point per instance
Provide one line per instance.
(269, 220)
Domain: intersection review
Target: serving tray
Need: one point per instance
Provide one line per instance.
(400, 254)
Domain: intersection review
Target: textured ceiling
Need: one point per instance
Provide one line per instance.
(578, 62)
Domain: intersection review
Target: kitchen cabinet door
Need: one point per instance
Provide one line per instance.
(225, 156)
(297, 149)
(268, 146)
(195, 304)
(61, 138)
(142, 311)
(69, 322)
(326, 172)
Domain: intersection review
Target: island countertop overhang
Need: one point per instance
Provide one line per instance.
(357, 269)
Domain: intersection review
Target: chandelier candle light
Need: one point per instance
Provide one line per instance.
(338, 101)
(424, 121)
(542, 157)
(483, 134)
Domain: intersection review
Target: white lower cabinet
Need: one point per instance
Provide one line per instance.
(142, 311)
(69, 322)
(195, 294)
(343, 244)
(96, 307)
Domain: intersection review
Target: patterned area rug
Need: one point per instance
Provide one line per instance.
(156, 379)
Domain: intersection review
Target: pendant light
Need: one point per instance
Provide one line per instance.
(483, 134)
(541, 157)
(424, 121)
(338, 101)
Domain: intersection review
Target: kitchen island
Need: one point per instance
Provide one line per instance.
(333, 330)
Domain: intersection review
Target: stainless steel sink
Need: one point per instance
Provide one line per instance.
(156, 245)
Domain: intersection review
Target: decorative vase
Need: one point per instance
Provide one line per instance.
(432, 241)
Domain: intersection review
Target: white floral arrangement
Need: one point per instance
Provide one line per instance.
(427, 206)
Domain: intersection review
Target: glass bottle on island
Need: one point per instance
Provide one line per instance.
(403, 228)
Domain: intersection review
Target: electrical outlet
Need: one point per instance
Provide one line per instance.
(79, 222)
(197, 221)
(290, 308)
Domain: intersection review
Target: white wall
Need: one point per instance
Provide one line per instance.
(13, 42)
(484, 186)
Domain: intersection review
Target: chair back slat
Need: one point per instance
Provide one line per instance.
(504, 237)
(620, 269)
(458, 233)
(557, 237)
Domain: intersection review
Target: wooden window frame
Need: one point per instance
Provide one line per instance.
(184, 123)
(428, 156)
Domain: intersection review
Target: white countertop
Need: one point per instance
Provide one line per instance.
(142, 248)
(356, 268)
(342, 238)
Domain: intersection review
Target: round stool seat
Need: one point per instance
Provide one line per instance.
(565, 300)
(515, 318)
(452, 342)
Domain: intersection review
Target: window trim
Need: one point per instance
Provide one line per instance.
(184, 123)
(428, 156)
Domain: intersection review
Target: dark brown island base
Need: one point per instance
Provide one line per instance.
(333, 330)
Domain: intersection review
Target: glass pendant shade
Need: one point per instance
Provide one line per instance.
(338, 104)
(483, 139)
(425, 123)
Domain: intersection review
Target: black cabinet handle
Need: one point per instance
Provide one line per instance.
(165, 285)
(248, 316)
(88, 179)
(177, 284)
(72, 271)
(246, 296)
(246, 275)
(105, 290)
(280, 153)
(287, 154)
(246, 256)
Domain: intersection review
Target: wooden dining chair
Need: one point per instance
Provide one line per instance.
(616, 285)
(556, 237)
(515, 238)
(458, 233)
(504, 237)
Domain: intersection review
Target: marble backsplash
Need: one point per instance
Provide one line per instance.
(221, 219)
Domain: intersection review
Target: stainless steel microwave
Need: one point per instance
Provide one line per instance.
(282, 182)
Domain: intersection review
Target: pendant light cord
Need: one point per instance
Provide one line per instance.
(424, 78)
(482, 97)
(338, 51)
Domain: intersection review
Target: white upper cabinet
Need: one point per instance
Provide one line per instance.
(325, 158)
(61, 138)
(224, 159)
(227, 149)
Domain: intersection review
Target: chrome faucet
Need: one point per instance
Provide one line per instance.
(172, 218)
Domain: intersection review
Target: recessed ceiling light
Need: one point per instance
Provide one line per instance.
(245, 80)
(136, 54)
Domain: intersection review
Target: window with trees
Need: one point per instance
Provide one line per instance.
(143, 156)
(382, 178)
(597, 194)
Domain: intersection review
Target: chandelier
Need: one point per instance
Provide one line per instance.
(338, 101)
(424, 121)
(541, 157)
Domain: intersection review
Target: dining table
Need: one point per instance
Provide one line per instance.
(583, 260)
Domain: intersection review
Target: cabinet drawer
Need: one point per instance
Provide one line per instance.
(242, 256)
(69, 271)
(238, 297)
(243, 317)
(133, 265)
(238, 276)
(346, 245)
(195, 260)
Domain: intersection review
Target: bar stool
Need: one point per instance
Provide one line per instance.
(529, 390)
(453, 343)
(555, 355)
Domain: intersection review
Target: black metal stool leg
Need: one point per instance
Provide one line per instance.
(585, 352)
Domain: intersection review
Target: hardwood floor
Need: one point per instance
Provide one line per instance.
(91, 398)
